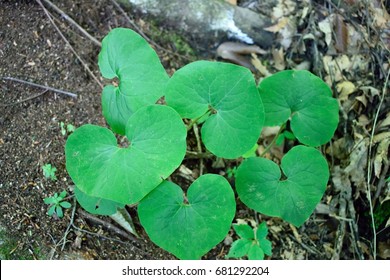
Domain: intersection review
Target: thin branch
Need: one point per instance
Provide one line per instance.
(341, 231)
(100, 236)
(71, 21)
(69, 45)
(199, 147)
(41, 86)
(194, 121)
(273, 141)
(369, 167)
(304, 246)
(69, 225)
(107, 225)
(24, 100)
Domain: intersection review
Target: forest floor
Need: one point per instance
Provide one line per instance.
(346, 46)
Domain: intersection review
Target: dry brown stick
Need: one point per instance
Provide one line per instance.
(146, 254)
(69, 45)
(341, 229)
(69, 225)
(41, 86)
(304, 246)
(355, 236)
(71, 21)
(99, 235)
(199, 147)
(24, 100)
(107, 225)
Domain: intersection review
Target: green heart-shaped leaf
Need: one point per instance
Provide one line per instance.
(189, 230)
(96, 205)
(100, 168)
(228, 94)
(260, 187)
(127, 56)
(304, 98)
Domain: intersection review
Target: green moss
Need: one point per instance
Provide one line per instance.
(10, 249)
(381, 214)
(165, 37)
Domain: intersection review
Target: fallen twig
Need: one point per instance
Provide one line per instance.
(69, 45)
(99, 235)
(199, 146)
(304, 246)
(107, 225)
(71, 21)
(340, 234)
(69, 225)
(24, 100)
(40, 86)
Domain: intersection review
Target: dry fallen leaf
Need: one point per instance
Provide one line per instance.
(381, 136)
(277, 27)
(341, 34)
(326, 27)
(304, 65)
(259, 66)
(269, 131)
(358, 163)
(362, 99)
(340, 179)
(287, 33)
(363, 121)
(381, 155)
(233, 2)
(384, 248)
(236, 53)
(384, 123)
(370, 92)
(283, 8)
(345, 88)
(278, 56)
(334, 67)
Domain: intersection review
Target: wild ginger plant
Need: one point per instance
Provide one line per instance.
(232, 109)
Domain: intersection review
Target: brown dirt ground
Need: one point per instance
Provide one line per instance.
(32, 50)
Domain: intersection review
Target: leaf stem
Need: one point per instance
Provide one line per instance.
(273, 140)
(194, 121)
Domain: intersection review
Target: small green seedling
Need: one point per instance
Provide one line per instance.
(231, 108)
(285, 135)
(231, 172)
(69, 128)
(56, 204)
(49, 172)
(253, 242)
